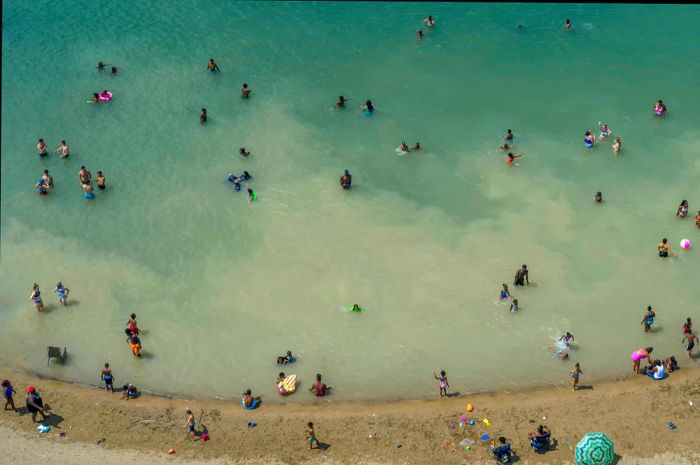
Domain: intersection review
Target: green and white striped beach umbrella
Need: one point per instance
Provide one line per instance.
(595, 449)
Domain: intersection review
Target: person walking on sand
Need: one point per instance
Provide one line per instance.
(648, 319)
(521, 276)
(34, 404)
(691, 340)
(7, 392)
(639, 355)
(575, 376)
(108, 378)
(189, 423)
(443, 382)
(35, 297)
(62, 293)
(311, 435)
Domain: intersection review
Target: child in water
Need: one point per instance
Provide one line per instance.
(252, 196)
(514, 306)
(504, 292)
(604, 130)
(62, 293)
(443, 382)
(575, 375)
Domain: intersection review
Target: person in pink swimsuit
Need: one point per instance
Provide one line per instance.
(639, 355)
(443, 382)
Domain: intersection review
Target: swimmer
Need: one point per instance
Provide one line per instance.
(521, 276)
(417, 147)
(319, 388)
(617, 146)
(443, 382)
(280, 377)
(48, 180)
(599, 197)
(691, 340)
(341, 102)
(511, 158)
(507, 147)
(697, 219)
(252, 196)
(514, 306)
(505, 295)
(604, 130)
(648, 319)
(62, 293)
(243, 152)
(285, 359)
(203, 116)
(356, 308)
(346, 180)
(95, 98)
(589, 139)
(114, 70)
(41, 148)
(100, 180)
(245, 92)
(429, 21)
(664, 249)
(63, 148)
(567, 338)
(100, 66)
(211, 66)
(420, 35)
(404, 147)
(367, 107)
(659, 108)
(35, 297)
(508, 135)
(682, 209)
(568, 25)
(84, 176)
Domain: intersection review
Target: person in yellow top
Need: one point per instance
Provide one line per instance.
(100, 180)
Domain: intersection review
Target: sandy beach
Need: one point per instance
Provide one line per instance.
(633, 412)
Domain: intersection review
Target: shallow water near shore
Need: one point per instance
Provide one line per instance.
(422, 242)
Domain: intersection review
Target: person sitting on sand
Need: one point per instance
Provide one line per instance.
(129, 391)
(319, 388)
(501, 449)
(285, 359)
(249, 402)
(665, 249)
(540, 439)
(656, 370)
(682, 209)
(670, 364)
(211, 66)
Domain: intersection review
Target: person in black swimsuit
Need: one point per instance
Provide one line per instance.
(521, 276)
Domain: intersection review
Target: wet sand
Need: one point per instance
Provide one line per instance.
(633, 412)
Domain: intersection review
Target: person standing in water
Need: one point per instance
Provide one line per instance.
(687, 326)
(599, 197)
(41, 148)
(648, 319)
(346, 180)
(505, 294)
(521, 276)
(697, 220)
(665, 249)
(639, 355)
(568, 26)
(63, 148)
(211, 66)
(420, 35)
(108, 378)
(48, 180)
(443, 382)
(341, 102)
(62, 293)
(567, 339)
(101, 181)
(575, 376)
(514, 306)
(35, 297)
(252, 196)
(508, 135)
(84, 176)
(245, 92)
(203, 116)
(682, 211)
(690, 339)
(429, 21)
(617, 145)
(368, 108)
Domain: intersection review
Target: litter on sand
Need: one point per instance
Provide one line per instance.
(466, 442)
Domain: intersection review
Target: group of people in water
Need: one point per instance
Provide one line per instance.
(60, 290)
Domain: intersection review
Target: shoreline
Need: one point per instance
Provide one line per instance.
(406, 432)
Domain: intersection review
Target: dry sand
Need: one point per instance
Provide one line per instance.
(633, 412)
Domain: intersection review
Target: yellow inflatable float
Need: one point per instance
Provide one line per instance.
(288, 385)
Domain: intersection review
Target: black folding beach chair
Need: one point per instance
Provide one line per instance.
(55, 352)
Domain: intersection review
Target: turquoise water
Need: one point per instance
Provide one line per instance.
(422, 241)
